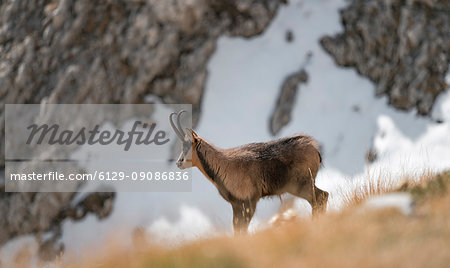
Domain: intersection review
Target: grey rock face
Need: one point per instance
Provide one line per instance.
(116, 51)
(107, 52)
(281, 116)
(402, 46)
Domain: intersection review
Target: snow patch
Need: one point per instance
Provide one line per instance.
(192, 224)
(21, 249)
(441, 109)
(401, 201)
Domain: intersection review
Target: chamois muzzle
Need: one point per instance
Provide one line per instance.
(180, 164)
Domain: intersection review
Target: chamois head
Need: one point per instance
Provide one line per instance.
(187, 137)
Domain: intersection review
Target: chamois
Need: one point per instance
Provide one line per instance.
(247, 173)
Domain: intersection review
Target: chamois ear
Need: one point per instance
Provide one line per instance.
(191, 134)
(194, 134)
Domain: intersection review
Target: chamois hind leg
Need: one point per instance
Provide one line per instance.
(321, 201)
(305, 191)
(242, 215)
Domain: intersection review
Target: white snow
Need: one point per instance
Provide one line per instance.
(442, 106)
(242, 87)
(20, 248)
(192, 224)
(401, 201)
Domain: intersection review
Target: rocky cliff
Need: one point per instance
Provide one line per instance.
(402, 46)
(108, 51)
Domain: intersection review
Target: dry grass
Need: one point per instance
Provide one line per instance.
(351, 238)
(366, 190)
(381, 183)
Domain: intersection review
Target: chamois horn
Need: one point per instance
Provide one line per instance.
(179, 131)
(179, 122)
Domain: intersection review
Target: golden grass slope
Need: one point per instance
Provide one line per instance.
(350, 238)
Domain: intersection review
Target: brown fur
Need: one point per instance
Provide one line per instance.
(247, 173)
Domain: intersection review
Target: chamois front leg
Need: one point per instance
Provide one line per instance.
(317, 199)
(242, 215)
(320, 204)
